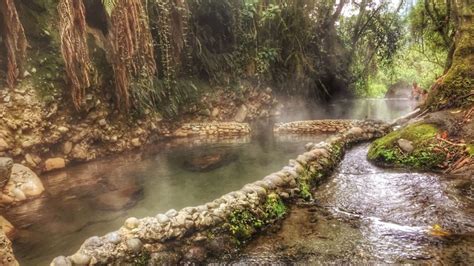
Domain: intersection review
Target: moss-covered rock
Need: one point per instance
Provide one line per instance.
(425, 154)
(243, 224)
(470, 149)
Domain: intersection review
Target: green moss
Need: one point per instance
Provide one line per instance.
(424, 156)
(470, 149)
(242, 224)
(274, 207)
(142, 259)
(456, 84)
(304, 183)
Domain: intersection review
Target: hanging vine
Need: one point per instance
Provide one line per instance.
(132, 55)
(14, 39)
(74, 49)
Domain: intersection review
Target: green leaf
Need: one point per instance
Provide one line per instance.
(109, 5)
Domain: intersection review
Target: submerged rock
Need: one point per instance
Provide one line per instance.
(204, 163)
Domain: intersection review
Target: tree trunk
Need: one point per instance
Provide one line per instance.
(14, 39)
(456, 87)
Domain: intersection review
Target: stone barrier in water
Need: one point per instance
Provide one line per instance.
(220, 227)
(314, 126)
(212, 129)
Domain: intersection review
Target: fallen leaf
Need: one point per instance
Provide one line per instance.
(437, 230)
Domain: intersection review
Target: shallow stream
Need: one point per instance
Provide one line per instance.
(365, 214)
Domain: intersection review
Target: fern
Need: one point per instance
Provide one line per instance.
(109, 5)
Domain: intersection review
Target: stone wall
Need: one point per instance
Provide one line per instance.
(193, 234)
(212, 129)
(314, 126)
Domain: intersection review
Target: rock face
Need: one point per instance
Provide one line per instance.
(6, 165)
(6, 253)
(23, 184)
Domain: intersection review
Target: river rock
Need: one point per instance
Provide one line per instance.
(4, 145)
(23, 184)
(6, 165)
(113, 237)
(405, 145)
(134, 244)
(196, 254)
(80, 259)
(209, 162)
(136, 142)
(61, 261)
(215, 112)
(162, 218)
(7, 227)
(132, 223)
(79, 153)
(171, 213)
(241, 114)
(67, 147)
(54, 163)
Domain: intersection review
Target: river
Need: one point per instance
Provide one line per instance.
(95, 198)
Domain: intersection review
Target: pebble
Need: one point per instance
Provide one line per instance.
(171, 213)
(162, 218)
(113, 238)
(80, 259)
(61, 261)
(132, 223)
(134, 244)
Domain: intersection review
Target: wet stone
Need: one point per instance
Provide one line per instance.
(93, 242)
(132, 223)
(80, 259)
(113, 238)
(162, 218)
(61, 261)
(134, 244)
(171, 213)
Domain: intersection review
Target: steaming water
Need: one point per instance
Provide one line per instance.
(95, 198)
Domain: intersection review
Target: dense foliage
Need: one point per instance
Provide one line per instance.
(155, 54)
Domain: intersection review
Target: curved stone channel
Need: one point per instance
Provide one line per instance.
(220, 226)
(365, 214)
